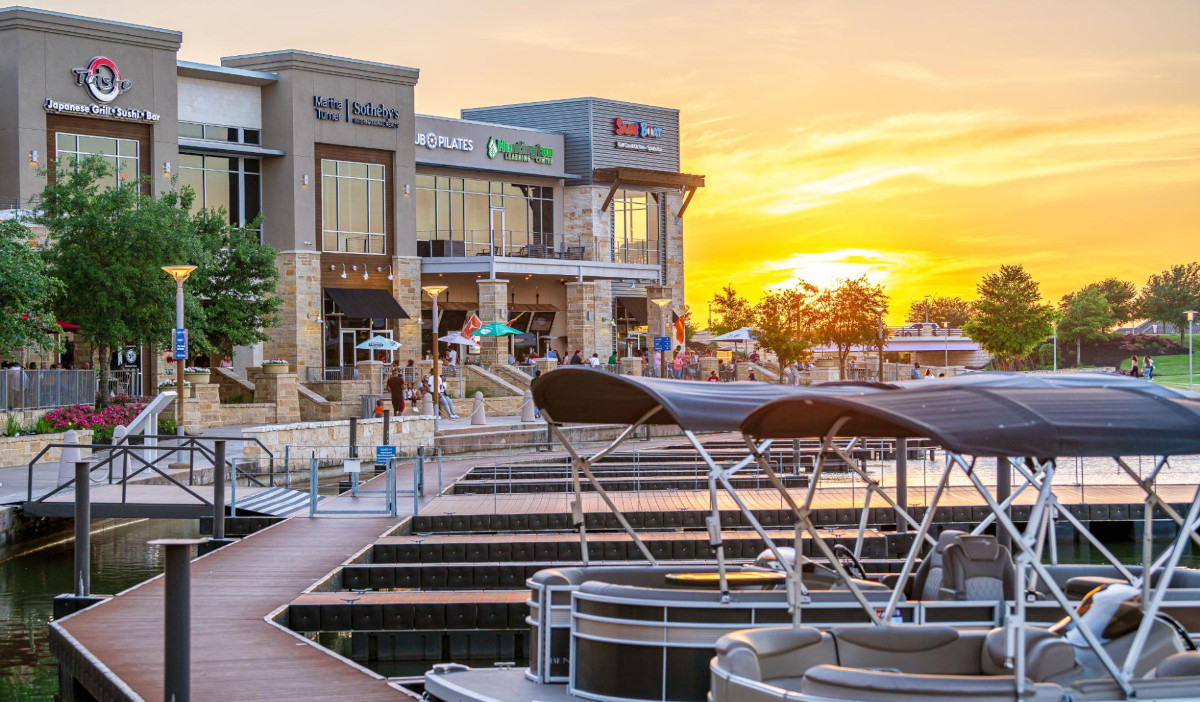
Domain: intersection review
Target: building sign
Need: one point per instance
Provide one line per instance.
(112, 111)
(370, 114)
(643, 130)
(520, 151)
(635, 146)
(101, 79)
(433, 140)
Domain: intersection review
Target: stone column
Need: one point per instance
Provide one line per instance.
(406, 288)
(631, 365)
(298, 338)
(280, 390)
(709, 364)
(584, 319)
(585, 224)
(545, 365)
(493, 307)
(673, 236)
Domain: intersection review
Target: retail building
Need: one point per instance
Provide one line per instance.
(559, 217)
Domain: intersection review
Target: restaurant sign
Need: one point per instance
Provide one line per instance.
(520, 151)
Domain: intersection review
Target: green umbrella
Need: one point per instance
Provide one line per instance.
(496, 329)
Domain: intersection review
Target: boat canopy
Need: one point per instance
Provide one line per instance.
(590, 396)
(1009, 417)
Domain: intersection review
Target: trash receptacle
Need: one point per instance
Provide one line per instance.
(368, 405)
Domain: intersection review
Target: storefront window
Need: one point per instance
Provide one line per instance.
(635, 222)
(121, 155)
(222, 181)
(353, 206)
(469, 217)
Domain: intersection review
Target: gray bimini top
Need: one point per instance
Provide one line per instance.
(591, 396)
(1003, 415)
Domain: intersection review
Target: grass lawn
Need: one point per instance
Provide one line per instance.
(1172, 370)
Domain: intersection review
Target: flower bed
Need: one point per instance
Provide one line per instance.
(123, 410)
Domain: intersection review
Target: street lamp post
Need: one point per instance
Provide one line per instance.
(662, 303)
(1055, 337)
(880, 378)
(1191, 315)
(946, 345)
(710, 315)
(180, 273)
(434, 291)
(926, 310)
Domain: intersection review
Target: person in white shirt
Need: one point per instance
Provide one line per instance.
(452, 357)
(594, 361)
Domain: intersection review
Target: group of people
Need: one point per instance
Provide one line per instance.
(406, 387)
(915, 374)
(1143, 370)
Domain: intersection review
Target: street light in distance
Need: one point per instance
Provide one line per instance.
(662, 303)
(1191, 315)
(434, 291)
(180, 272)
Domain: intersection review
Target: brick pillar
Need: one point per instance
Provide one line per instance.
(298, 338)
(708, 364)
(281, 390)
(493, 307)
(584, 323)
(406, 287)
(585, 224)
(673, 265)
(631, 365)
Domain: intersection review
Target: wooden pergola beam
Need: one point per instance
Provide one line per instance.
(687, 200)
(612, 192)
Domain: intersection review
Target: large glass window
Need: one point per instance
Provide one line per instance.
(217, 132)
(121, 155)
(353, 206)
(470, 217)
(223, 181)
(635, 222)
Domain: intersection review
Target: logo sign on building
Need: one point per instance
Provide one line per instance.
(662, 343)
(433, 140)
(642, 130)
(101, 79)
(370, 114)
(519, 151)
(181, 344)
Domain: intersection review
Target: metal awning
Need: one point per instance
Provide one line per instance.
(367, 303)
(225, 148)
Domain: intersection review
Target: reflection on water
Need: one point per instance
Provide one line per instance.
(28, 584)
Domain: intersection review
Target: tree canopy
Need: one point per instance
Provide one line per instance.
(1086, 316)
(1009, 319)
(26, 292)
(849, 316)
(787, 323)
(954, 310)
(732, 310)
(1171, 293)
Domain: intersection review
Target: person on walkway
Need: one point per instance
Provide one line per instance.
(1133, 367)
(713, 378)
(550, 353)
(1148, 368)
(577, 358)
(916, 372)
(928, 374)
(752, 378)
(395, 386)
(452, 357)
(612, 358)
(594, 361)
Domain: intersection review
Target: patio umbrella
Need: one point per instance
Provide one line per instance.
(458, 338)
(497, 329)
(743, 334)
(379, 343)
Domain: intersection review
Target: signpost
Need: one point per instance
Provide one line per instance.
(180, 344)
(384, 453)
(662, 343)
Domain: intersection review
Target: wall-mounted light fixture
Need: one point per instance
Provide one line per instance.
(33, 158)
(304, 182)
(407, 189)
(343, 270)
(166, 169)
(389, 271)
(364, 273)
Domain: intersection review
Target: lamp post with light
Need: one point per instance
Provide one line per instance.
(1055, 337)
(180, 273)
(946, 345)
(662, 303)
(434, 291)
(1191, 315)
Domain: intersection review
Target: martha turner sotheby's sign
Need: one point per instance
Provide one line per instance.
(371, 114)
(103, 82)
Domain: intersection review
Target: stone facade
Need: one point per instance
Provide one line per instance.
(297, 338)
(406, 288)
(585, 224)
(585, 328)
(281, 390)
(493, 306)
(20, 450)
(673, 240)
(406, 433)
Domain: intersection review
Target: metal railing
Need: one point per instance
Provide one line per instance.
(486, 242)
(332, 373)
(22, 388)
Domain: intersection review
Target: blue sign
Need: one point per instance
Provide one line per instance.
(385, 453)
(662, 343)
(181, 344)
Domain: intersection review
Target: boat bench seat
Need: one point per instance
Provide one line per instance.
(840, 683)
(926, 649)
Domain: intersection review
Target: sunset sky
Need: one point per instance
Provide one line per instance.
(920, 143)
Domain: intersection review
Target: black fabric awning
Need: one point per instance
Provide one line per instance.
(636, 306)
(367, 303)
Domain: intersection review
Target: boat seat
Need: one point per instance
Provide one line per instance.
(778, 656)
(1047, 655)
(928, 579)
(838, 683)
(1081, 585)
(938, 650)
(977, 568)
(1180, 665)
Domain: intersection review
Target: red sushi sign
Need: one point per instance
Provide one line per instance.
(644, 130)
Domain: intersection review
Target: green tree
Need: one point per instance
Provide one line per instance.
(787, 324)
(733, 311)
(1086, 316)
(107, 245)
(234, 288)
(26, 292)
(954, 310)
(1169, 294)
(1009, 319)
(1120, 295)
(849, 316)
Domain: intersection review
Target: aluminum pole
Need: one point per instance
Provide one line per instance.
(437, 399)
(1003, 490)
(901, 482)
(1190, 352)
(179, 388)
(177, 622)
(83, 533)
(219, 490)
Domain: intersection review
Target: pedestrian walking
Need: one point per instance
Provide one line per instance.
(1133, 367)
(916, 372)
(395, 386)
(1148, 368)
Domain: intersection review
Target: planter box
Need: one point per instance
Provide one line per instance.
(195, 378)
(275, 368)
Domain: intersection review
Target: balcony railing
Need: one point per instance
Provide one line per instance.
(460, 244)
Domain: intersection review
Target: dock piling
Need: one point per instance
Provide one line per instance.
(219, 490)
(901, 452)
(177, 621)
(83, 530)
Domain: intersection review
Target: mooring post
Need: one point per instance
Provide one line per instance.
(1003, 490)
(219, 490)
(387, 427)
(177, 620)
(354, 437)
(83, 529)
(419, 471)
(901, 481)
